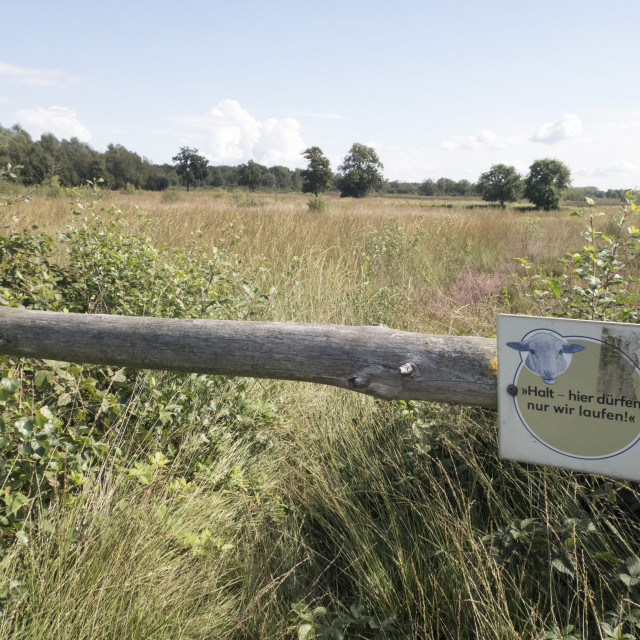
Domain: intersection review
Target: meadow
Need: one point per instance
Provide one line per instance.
(153, 505)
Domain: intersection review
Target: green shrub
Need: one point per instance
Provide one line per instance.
(60, 422)
(600, 281)
(317, 204)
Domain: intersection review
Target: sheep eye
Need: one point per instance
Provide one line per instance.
(532, 352)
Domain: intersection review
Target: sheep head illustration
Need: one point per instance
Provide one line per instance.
(549, 354)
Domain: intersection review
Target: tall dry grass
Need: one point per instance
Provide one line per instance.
(415, 267)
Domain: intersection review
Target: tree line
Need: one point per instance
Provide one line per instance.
(69, 163)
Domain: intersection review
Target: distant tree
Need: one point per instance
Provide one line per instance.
(546, 181)
(361, 172)
(250, 175)
(465, 188)
(224, 176)
(428, 188)
(19, 145)
(46, 155)
(296, 180)
(268, 181)
(282, 176)
(191, 167)
(317, 176)
(501, 184)
(402, 188)
(618, 194)
(155, 181)
(578, 194)
(123, 167)
(446, 187)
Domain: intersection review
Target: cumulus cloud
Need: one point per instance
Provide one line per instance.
(280, 142)
(485, 138)
(36, 77)
(569, 126)
(61, 121)
(230, 134)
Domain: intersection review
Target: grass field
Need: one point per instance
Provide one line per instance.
(196, 507)
(408, 263)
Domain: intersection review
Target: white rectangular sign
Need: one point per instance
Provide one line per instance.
(569, 394)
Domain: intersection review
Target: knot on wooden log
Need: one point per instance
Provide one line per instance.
(407, 368)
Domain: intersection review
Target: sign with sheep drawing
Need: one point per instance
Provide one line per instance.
(569, 393)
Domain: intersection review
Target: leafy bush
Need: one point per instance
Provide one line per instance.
(59, 421)
(317, 204)
(598, 282)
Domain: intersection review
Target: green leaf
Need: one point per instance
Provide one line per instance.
(629, 573)
(15, 501)
(64, 399)
(43, 377)
(22, 537)
(8, 387)
(564, 564)
(24, 426)
(306, 631)
(555, 287)
(119, 376)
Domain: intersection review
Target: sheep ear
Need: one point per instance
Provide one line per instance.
(519, 346)
(572, 348)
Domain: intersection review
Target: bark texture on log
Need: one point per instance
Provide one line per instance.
(381, 362)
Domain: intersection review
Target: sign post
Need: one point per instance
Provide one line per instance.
(569, 394)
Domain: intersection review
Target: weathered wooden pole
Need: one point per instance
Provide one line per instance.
(374, 360)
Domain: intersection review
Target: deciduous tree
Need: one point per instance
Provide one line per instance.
(250, 175)
(317, 176)
(501, 183)
(191, 167)
(361, 172)
(546, 181)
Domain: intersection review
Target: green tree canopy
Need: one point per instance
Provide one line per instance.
(250, 175)
(317, 176)
(191, 167)
(546, 181)
(501, 183)
(361, 172)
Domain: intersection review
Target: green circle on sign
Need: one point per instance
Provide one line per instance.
(593, 408)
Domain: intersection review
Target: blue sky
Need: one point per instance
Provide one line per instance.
(437, 88)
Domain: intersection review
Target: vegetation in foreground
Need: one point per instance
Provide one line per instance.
(157, 505)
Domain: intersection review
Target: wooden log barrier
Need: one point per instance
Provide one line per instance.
(374, 360)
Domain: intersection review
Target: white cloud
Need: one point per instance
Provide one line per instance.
(485, 138)
(36, 77)
(569, 126)
(280, 142)
(61, 121)
(233, 132)
(229, 134)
